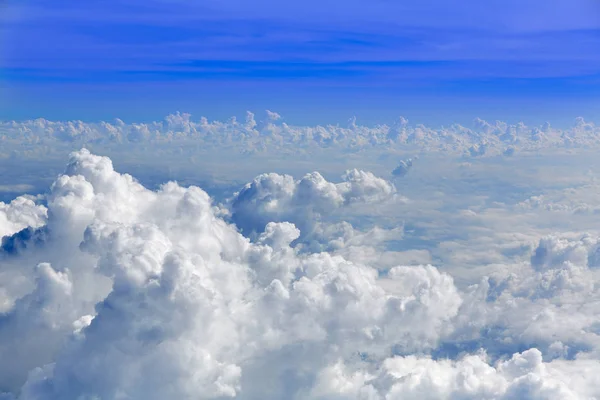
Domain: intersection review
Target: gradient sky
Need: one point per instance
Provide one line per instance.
(313, 61)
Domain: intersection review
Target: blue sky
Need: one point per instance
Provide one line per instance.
(312, 61)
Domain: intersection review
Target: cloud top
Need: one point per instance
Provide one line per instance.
(134, 293)
(272, 133)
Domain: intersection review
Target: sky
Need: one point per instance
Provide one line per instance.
(313, 61)
(256, 200)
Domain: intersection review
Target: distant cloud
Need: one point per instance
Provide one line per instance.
(22, 187)
(272, 134)
(583, 199)
(402, 168)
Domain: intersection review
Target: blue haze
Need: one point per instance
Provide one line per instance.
(314, 61)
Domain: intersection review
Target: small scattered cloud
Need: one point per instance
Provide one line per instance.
(403, 168)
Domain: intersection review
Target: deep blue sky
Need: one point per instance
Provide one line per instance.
(434, 61)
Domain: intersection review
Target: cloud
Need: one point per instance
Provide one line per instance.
(15, 188)
(581, 199)
(521, 305)
(135, 293)
(36, 325)
(270, 133)
(19, 214)
(402, 168)
(274, 197)
(523, 376)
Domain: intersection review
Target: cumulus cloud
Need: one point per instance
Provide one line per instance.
(277, 198)
(270, 133)
(582, 199)
(402, 168)
(19, 214)
(523, 376)
(123, 292)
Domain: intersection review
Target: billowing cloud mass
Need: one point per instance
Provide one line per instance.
(19, 214)
(276, 198)
(110, 290)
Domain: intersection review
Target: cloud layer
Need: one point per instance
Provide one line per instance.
(113, 291)
(271, 133)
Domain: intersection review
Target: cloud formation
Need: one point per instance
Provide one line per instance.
(272, 133)
(402, 168)
(276, 198)
(123, 292)
(19, 214)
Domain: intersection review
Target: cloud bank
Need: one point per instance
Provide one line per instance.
(272, 133)
(113, 291)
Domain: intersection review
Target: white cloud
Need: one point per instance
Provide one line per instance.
(272, 197)
(133, 293)
(581, 199)
(402, 168)
(19, 214)
(523, 376)
(270, 133)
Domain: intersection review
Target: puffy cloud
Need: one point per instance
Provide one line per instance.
(132, 293)
(191, 303)
(271, 133)
(402, 168)
(36, 325)
(274, 197)
(582, 199)
(545, 304)
(523, 376)
(19, 214)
